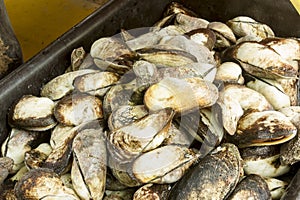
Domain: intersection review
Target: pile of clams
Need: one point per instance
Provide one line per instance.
(189, 109)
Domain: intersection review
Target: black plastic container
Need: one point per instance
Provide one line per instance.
(280, 15)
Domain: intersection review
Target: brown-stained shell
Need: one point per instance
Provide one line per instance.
(262, 61)
(42, 184)
(244, 25)
(75, 109)
(181, 94)
(263, 128)
(251, 187)
(213, 177)
(152, 191)
(88, 172)
(6, 165)
(33, 113)
(203, 36)
(264, 161)
(230, 72)
(188, 23)
(235, 100)
(62, 84)
(94, 81)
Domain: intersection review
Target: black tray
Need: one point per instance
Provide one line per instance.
(280, 15)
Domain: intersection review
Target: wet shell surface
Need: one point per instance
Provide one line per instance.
(181, 94)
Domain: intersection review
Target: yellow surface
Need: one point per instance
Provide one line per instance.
(39, 22)
(296, 4)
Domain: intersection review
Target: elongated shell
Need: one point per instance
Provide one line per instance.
(88, 171)
(181, 94)
(214, 177)
(62, 85)
(262, 61)
(263, 128)
(252, 187)
(243, 26)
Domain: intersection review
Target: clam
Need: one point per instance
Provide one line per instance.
(230, 72)
(166, 164)
(188, 23)
(43, 184)
(40, 118)
(182, 95)
(273, 93)
(263, 128)
(203, 36)
(94, 82)
(175, 8)
(119, 194)
(152, 191)
(290, 86)
(88, 171)
(224, 35)
(146, 73)
(235, 100)
(24, 140)
(166, 55)
(177, 136)
(111, 54)
(213, 177)
(264, 161)
(75, 109)
(251, 187)
(144, 134)
(244, 25)
(202, 53)
(262, 61)
(62, 84)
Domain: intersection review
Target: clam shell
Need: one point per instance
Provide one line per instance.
(94, 81)
(262, 61)
(251, 187)
(22, 139)
(222, 29)
(36, 157)
(88, 172)
(6, 165)
(159, 164)
(144, 134)
(33, 113)
(244, 25)
(182, 95)
(62, 85)
(263, 128)
(213, 177)
(43, 184)
(203, 36)
(276, 186)
(189, 23)
(230, 72)
(264, 161)
(78, 108)
(237, 99)
(277, 98)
